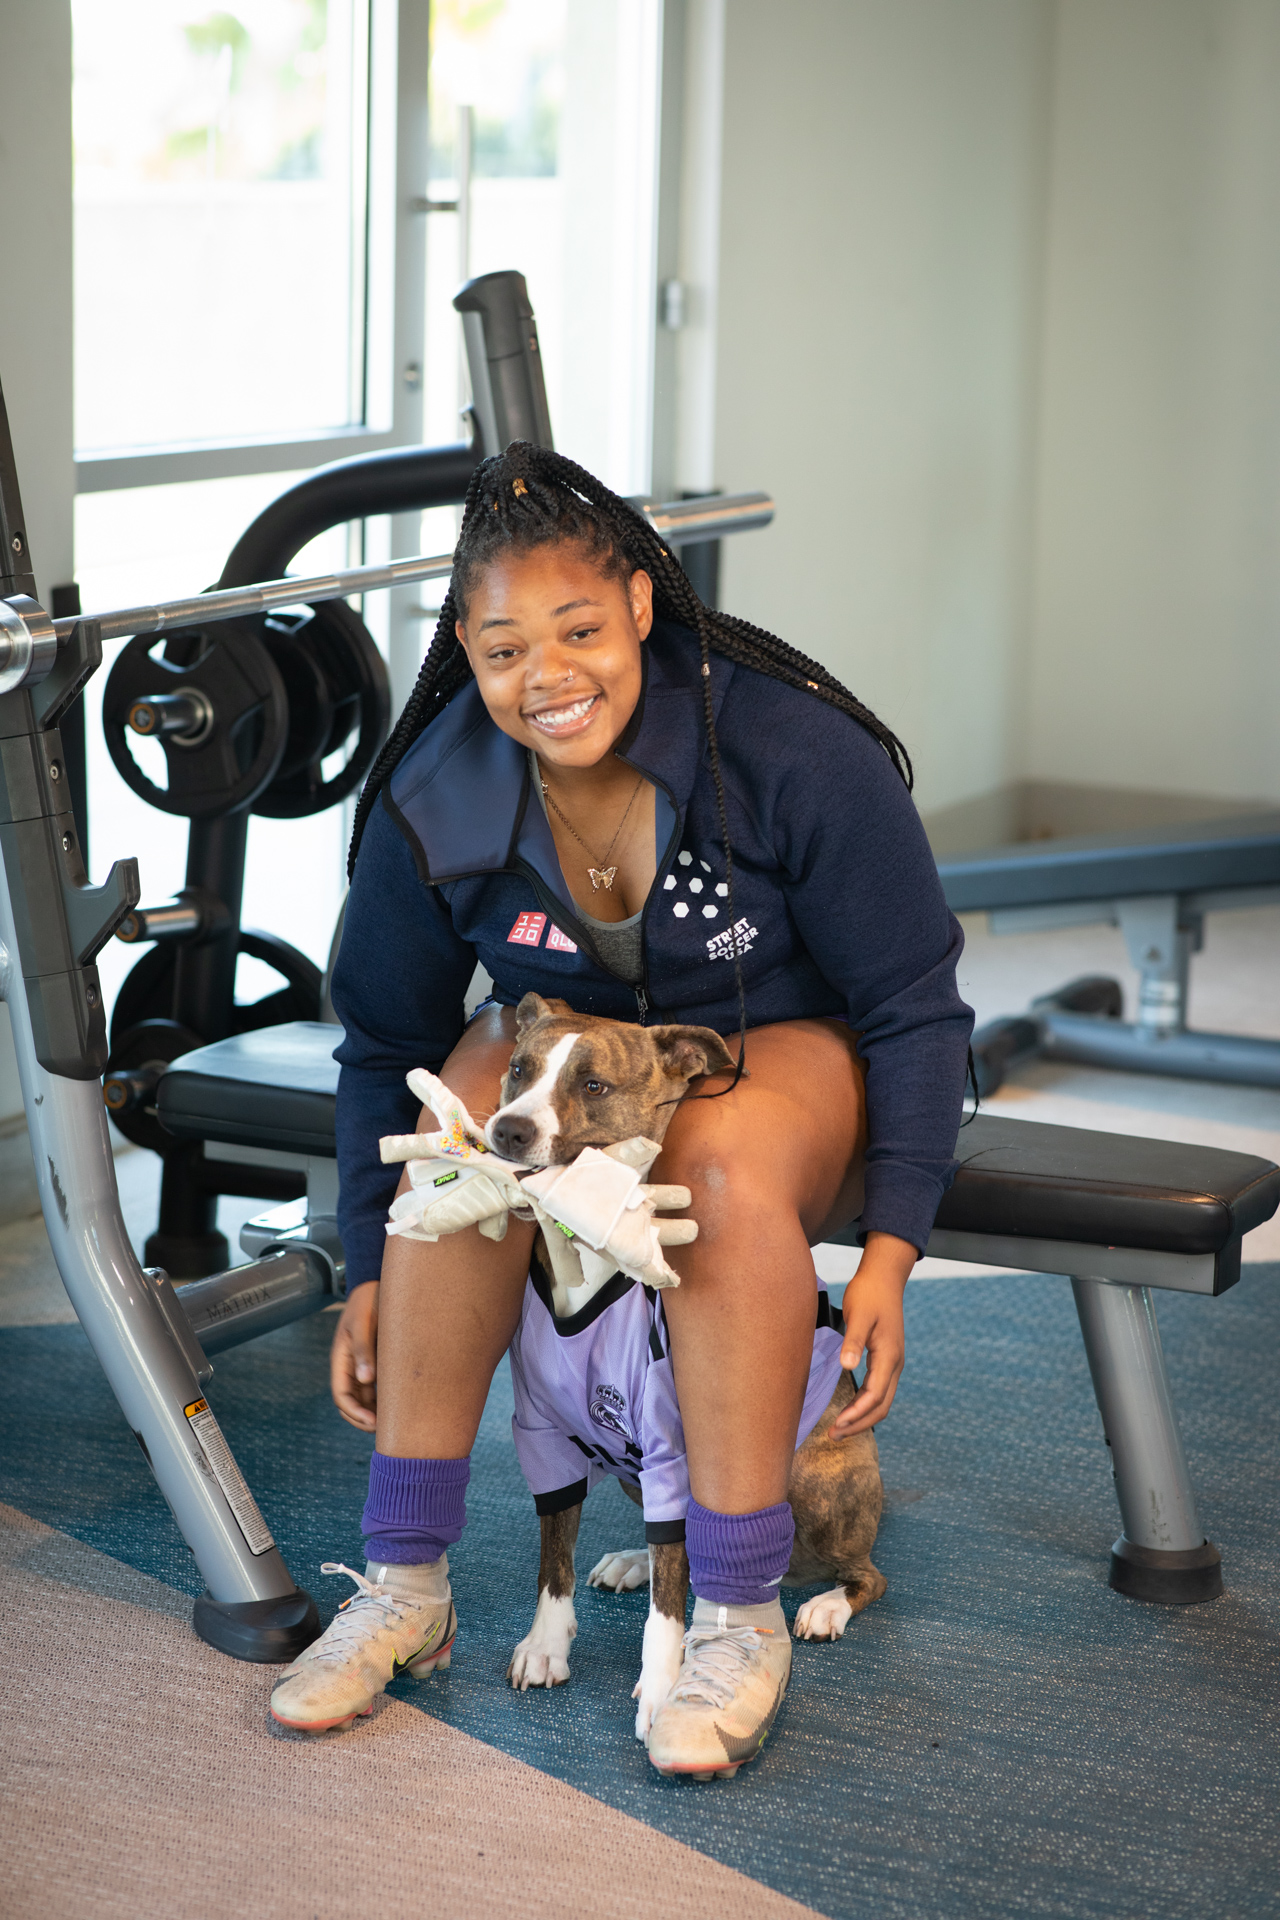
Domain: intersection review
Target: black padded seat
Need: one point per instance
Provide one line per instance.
(1104, 1189)
(276, 1088)
(1208, 856)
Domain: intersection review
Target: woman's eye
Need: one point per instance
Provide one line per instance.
(595, 1086)
(584, 633)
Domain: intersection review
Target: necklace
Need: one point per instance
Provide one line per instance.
(602, 875)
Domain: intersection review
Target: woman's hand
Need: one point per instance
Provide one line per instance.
(353, 1359)
(873, 1320)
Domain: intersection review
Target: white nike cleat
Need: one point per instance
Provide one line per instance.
(382, 1631)
(737, 1661)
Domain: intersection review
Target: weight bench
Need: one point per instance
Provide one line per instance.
(1120, 1215)
(1156, 887)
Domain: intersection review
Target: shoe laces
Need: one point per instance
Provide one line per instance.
(373, 1606)
(716, 1662)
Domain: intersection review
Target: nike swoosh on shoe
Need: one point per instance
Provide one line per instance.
(401, 1666)
(739, 1747)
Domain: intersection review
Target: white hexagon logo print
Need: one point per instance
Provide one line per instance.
(696, 891)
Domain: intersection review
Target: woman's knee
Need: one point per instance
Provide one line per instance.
(475, 1068)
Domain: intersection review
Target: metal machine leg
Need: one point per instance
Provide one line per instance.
(251, 1608)
(1162, 1554)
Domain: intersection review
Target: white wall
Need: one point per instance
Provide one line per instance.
(880, 276)
(1157, 563)
(35, 312)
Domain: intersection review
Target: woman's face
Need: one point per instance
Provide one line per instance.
(555, 648)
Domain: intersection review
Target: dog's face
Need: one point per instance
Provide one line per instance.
(575, 1081)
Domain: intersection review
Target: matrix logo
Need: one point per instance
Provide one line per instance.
(722, 945)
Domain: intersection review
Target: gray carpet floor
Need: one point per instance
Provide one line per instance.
(999, 1735)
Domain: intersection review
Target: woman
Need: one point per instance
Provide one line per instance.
(609, 794)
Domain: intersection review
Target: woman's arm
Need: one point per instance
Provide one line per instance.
(864, 894)
(398, 989)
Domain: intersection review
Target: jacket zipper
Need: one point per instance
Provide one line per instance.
(642, 991)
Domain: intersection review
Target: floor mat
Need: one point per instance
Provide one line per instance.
(999, 1735)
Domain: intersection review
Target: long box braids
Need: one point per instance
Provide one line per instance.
(530, 497)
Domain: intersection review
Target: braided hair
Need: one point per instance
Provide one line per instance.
(530, 497)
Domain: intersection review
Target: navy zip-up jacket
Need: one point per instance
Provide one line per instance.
(837, 900)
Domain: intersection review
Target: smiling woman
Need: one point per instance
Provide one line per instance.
(752, 812)
(554, 642)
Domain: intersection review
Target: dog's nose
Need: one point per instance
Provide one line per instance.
(512, 1134)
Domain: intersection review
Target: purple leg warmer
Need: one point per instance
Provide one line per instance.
(415, 1509)
(738, 1559)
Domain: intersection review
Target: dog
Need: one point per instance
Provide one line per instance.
(575, 1082)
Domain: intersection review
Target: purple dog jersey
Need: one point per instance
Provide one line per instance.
(595, 1396)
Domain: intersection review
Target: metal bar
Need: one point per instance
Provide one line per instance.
(1204, 1273)
(1126, 1360)
(202, 608)
(676, 520)
(1239, 1059)
(238, 1305)
(125, 1318)
(107, 469)
(709, 518)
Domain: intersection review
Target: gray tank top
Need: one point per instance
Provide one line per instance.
(618, 942)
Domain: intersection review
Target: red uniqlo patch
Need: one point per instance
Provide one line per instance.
(558, 942)
(527, 931)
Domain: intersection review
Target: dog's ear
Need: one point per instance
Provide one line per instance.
(686, 1052)
(533, 1008)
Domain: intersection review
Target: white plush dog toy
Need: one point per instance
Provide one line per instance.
(597, 1215)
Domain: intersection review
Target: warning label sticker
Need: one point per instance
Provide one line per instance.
(223, 1467)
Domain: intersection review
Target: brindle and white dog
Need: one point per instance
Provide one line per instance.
(575, 1081)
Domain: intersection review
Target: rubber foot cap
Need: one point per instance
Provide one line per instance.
(1166, 1579)
(267, 1631)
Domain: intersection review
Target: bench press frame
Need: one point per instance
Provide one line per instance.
(1157, 888)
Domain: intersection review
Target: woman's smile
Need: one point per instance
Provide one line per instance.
(561, 722)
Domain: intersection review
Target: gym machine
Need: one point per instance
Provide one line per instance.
(250, 710)
(1156, 887)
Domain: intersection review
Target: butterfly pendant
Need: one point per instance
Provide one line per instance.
(602, 877)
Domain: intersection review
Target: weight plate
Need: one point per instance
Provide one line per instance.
(150, 1044)
(238, 755)
(337, 685)
(148, 989)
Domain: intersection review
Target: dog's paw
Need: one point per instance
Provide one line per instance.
(542, 1658)
(534, 1666)
(621, 1572)
(659, 1668)
(825, 1617)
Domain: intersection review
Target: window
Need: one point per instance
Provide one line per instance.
(262, 285)
(220, 180)
(544, 122)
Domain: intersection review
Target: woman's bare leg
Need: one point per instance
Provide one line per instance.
(768, 1166)
(447, 1311)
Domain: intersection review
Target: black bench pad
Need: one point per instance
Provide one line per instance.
(1104, 1189)
(276, 1088)
(1205, 856)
